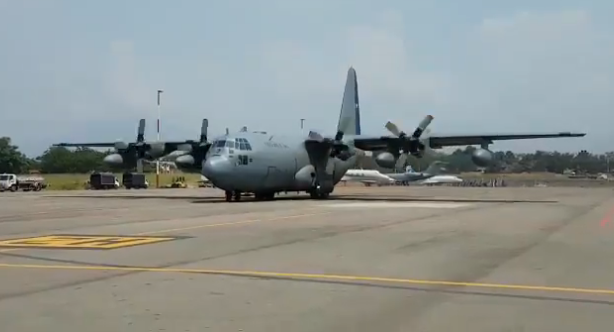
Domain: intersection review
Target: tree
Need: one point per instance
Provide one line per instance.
(11, 160)
(62, 160)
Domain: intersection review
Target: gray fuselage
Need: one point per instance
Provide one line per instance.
(264, 163)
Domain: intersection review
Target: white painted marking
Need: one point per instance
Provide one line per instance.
(427, 205)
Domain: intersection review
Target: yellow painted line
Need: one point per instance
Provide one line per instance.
(317, 277)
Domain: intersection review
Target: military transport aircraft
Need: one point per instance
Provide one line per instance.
(265, 164)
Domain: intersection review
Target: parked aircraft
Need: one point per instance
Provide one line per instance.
(264, 164)
(369, 177)
(441, 179)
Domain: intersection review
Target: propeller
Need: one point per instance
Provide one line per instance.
(340, 149)
(199, 151)
(411, 144)
(140, 147)
(203, 143)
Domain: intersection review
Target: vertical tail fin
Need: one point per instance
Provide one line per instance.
(349, 119)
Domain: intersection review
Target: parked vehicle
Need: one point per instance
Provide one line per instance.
(103, 181)
(132, 180)
(13, 182)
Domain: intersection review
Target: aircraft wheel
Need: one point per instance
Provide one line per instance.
(237, 195)
(229, 196)
(316, 194)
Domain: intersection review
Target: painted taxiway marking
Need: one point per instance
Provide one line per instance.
(312, 276)
(179, 229)
(428, 205)
(72, 241)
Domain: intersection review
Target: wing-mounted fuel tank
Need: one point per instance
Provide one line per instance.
(385, 160)
(482, 157)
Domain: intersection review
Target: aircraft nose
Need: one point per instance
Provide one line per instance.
(215, 167)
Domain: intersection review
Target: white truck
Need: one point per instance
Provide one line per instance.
(14, 182)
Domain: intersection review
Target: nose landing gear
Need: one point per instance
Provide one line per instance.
(318, 193)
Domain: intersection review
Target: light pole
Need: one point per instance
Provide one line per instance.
(302, 120)
(158, 134)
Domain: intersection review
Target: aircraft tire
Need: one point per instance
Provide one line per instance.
(315, 194)
(229, 196)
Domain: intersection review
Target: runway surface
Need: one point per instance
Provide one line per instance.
(369, 259)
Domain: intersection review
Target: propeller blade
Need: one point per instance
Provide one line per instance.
(203, 131)
(140, 137)
(315, 136)
(393, 128)
(422, 126)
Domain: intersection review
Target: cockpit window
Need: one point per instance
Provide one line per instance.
(219, 144)
(230, 144)
(244, 144)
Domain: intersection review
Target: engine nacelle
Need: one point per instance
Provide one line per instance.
(305, 176)
(114, 159)
(156, 149)
(185, 160)
(386, 160)
(482, 157)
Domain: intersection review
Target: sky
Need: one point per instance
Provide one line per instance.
(89, 70)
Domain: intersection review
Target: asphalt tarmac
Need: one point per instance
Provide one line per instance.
(368, 259)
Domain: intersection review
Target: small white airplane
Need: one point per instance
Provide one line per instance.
(441, 179)
(367, 176)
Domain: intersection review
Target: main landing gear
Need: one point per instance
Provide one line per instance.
(258, 196)
(233, 194)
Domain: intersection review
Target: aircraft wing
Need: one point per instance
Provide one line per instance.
(439, 141)
(168, 145)
(87, 145)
